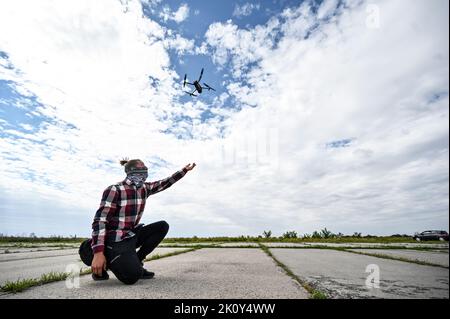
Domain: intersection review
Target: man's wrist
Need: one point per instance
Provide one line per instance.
(98, 249)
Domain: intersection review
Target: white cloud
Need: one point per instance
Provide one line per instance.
(327, 8)
(27, 127)
(245, 46)
(106, 90)
(151, 3)
(178, 16)
(330, 77)
(245, 10)
(180, 44)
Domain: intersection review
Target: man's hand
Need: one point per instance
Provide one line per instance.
(189, 166)
(98, 263)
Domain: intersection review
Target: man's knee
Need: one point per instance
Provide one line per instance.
(127, 268)
(129, 276)
(164, 226)
(130, 280)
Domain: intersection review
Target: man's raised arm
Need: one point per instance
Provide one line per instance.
(158, 186)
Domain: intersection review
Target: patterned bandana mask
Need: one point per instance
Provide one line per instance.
(137, 179)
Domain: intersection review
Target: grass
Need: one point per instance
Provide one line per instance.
(318, 295)
(346, 239)
(26, 241)
(23, 284)
(314, 293)
(19, 285)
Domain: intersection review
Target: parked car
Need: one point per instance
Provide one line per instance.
(432, 235)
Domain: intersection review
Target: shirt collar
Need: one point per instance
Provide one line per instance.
(130, 183)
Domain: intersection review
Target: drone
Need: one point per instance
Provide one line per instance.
(198, 87)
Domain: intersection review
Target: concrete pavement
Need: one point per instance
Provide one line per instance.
(227, 272)
(11, 270)
(205, 273)
(438, 258)
(343, 274)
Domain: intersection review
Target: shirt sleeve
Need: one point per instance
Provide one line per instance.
(108, 205)
(158, 186)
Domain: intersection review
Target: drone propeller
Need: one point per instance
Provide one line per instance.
(191, 94)
(184, 82)
(208, 87)
(201, 74)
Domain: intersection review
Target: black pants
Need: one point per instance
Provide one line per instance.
(122, 258)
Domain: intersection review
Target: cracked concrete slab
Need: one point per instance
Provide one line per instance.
(12, 270)
(381, 245)
(433, 257)
(7, 251)
(343, 274)
(204, 273)
(23, 255)
(243, 273)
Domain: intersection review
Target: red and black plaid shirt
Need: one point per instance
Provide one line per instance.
(122, 207)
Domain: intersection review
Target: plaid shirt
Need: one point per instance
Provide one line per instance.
(122, 207)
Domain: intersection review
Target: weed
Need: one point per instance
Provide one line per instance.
(22, 284)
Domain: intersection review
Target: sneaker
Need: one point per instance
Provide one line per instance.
(147, 274)
(104, 276)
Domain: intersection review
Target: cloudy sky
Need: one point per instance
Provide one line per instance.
(327, 113)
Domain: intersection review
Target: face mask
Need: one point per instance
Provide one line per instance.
(137, 179)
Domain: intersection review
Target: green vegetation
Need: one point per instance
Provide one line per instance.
(324, 235)
(34, 239)
(267, 234)
(19, 285)
(318, 295)
(314, 294)
(23, 284)
(290, 235)
(310, 239)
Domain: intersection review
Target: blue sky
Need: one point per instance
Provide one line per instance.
(327, 113)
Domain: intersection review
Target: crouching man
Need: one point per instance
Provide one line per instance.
(117, 233)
